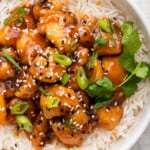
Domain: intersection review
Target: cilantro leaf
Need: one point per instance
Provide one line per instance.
(131, 43)
(99, 105)
(91, 61)
(102, 90)
(127, 61)
(98, 93)
(130, 87)
(100, 41)
(106, 83)
(126, 29)
(143, 70)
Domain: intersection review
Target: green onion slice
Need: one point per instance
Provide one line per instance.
(45, 93)
(16, 17)
(105, 25)
(63, 59)
(91, 60)
(53, 102)
(73, 45)
(69, 123)
(11, 60)
(100, 41)
(20, 108)
(24, 122)
(65, 79)
(82, 79)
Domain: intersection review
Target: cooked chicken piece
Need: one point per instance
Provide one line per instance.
(84, 36)
(57, 26)
(81, 55)
(112, 48)
(9, 36)
(38, 135)
(67, 135)
(83, 99)
(74, 128)
(97, 72)
(27, 88)
(43, 7)
(3, 112)
(6, 69)
(114, 71)
(68, 101)
(45, 69)
(29, 44)
(109, 117)
(8, 88)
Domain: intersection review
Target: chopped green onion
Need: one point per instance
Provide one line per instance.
(20, 108)
(24, 122)
(65, 79)
(45, 93)
(82, 79)
(105, 25)
(73, 45)
(16, 17)
(100, 41)
(11, 60)
(91, 60)
(99, 105)
(53, 102)
(62, 59)
(68, 123)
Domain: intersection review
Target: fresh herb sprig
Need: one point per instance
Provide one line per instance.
(101, 92)
(137, 70)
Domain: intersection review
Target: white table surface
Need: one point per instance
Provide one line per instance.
(144, 142)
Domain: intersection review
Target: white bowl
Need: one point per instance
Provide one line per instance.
(132, 12)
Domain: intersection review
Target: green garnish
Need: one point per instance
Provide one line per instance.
(69, 123)
(53, 102)
(16, 17)
(137, 70)
(99, 105)
(45, 93)
(101, 90)
(105, 25)
(11, 60)
(63, 59)
(73, 45)
(91, 61)
(131, 43)
(19, 108)
(65, 79)
(100, 41)
(82, 79)
(24, 122)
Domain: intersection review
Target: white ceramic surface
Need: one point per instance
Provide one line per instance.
(129, 7)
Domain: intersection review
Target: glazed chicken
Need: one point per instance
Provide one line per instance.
(49, 60)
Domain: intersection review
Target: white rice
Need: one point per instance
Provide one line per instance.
(100, 139)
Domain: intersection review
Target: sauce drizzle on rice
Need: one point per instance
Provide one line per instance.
(64, 75)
